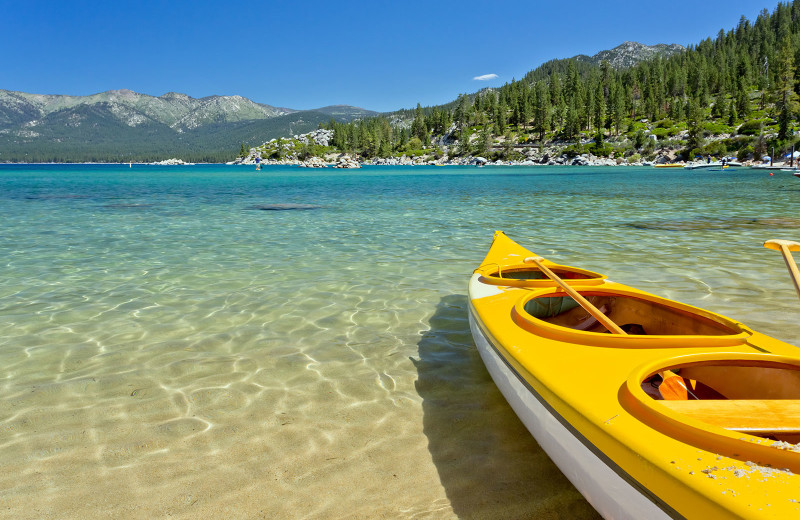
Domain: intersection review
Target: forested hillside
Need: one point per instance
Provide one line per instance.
(734, 94)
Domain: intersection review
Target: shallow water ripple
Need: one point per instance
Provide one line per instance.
(165, 351)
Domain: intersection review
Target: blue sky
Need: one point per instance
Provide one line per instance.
(307, 54)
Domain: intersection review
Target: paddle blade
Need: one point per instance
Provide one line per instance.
(777, 243)
(673, 387)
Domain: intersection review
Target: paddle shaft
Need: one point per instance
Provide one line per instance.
(575, 295)
(673, 384)
(786, 247)
(787, 257)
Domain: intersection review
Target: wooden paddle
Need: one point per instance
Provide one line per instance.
(583, 302)
(786, 247)
(672, 387)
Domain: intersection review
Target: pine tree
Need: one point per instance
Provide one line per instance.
(542, 110)
(785, 96)
(460, 115)
(508, 145)
(571, 123)
(618, 107)
(599, 115)
(484, 142)
(693, 116)
(557, 102)
(418, 128)
(500, 118)
(463, 142)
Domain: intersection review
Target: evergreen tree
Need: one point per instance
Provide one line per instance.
(693, 115)
(542, 110)
(525, 111)
(484, 142)
(599, 115)
(463, 142)
(571, 123)
(618, 108)
(508, 145)
(742, 100)
(557, 102)
(418, 128)
(500, 119)
(785, 95)
(460, 115)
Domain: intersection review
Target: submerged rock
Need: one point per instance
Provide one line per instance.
(715, 223)
(284, 207)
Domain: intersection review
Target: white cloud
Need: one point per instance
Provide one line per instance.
(485, 77)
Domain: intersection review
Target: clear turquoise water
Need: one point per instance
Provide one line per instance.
(167, 347)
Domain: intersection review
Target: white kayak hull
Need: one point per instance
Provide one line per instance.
(614, 494)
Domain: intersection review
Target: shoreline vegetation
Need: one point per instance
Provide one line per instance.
(734, 96)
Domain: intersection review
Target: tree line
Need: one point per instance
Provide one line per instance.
(741, 85)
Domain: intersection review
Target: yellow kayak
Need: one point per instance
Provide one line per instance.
(598, 402)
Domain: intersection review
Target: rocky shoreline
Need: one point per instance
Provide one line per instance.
(347, 161)
(288, 149)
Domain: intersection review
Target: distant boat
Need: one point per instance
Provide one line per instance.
(715, 164)
(668, 165)
(774, 167)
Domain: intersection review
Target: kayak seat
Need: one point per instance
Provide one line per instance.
(753, 416)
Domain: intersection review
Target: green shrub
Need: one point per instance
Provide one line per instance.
(601, 150)
(696, 152)
(752, 127)
(414, 144)
(745, 153)
(712, 128)
(663, 133)
(716, 148)
(738, 142)
(636, 126)
(574, 150)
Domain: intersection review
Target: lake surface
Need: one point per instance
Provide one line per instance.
(214, 341)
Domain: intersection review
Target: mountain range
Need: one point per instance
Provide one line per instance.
(122, 125)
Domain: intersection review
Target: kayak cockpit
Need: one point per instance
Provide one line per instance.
(742, 405)
(648, 320)
(759, 400)
(643, 317)
(527, 275)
